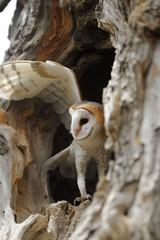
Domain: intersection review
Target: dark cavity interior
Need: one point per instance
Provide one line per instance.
(92, 81)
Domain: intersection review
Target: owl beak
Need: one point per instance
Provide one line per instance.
(77, 132)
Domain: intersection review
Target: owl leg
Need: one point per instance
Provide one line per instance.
(102, 168)
(101, 172)
(81, 184)
(81, 172)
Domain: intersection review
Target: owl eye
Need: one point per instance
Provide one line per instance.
(83, 121)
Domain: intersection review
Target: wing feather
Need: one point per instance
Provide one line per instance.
(50, 81)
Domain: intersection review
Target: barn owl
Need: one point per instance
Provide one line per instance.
(56, 84)
(87, 129)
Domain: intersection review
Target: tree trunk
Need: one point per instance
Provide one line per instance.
(83, 35)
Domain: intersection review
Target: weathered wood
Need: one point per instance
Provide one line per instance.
(76, 34)
(15, 157)
(63, 218)
(45, 31)
(131, 102)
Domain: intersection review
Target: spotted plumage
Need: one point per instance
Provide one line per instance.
(89, 137)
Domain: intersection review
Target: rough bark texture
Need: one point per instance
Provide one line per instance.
(131, 102)
(80, 35)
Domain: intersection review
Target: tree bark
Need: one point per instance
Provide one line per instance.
(81, 35)
(131, 102)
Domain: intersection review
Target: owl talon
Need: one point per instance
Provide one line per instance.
(78, 200)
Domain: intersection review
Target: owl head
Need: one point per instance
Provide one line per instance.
(87, 120)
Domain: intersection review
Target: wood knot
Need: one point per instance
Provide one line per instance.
(3, 145)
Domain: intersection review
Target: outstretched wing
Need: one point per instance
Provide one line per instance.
(64, 160)
(66, 164)
(50, 81)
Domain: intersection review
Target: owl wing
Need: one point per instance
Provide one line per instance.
(66, 165)
(49, 81)
(53, 162)
(64, 160)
